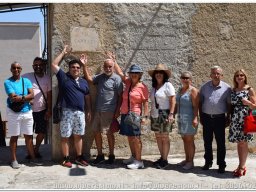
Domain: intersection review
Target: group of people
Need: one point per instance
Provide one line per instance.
(215, 105)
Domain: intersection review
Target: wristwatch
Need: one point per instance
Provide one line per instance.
(23, 98)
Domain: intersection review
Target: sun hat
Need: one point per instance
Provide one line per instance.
(160, 67)
(135, 69)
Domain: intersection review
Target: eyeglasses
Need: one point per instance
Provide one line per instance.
(240, 75)
(74, 67)
(16, 68)
(185, 78)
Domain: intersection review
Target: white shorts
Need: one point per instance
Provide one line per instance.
(19, 123)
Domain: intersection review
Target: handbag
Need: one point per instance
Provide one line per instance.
(249, 123)
(132, 118)
(115, 126)
(18, 106)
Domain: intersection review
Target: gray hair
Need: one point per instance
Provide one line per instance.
(216, 67)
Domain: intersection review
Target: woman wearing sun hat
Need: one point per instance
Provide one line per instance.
(162, 98)
(136, 94)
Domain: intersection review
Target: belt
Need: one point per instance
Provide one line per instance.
(215, 115)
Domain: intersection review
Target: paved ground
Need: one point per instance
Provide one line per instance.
(53, 176)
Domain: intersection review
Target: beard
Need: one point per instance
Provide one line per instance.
(108, 73)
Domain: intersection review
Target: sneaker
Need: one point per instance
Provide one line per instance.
(38, 155)
(66, 162)
(15, 165)
(182, 163)
(35, 162)
(155, 163)
(28, 157)
(81, 161)
(111, 159)
(99, 159)
(129, 161)
(188, 165)
(163, 164)
(136, 165)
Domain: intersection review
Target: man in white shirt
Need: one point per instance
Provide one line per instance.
(42, 103)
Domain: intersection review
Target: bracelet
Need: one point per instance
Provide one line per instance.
(171, 113)
(23, 98)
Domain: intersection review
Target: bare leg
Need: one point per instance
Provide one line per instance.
(78, 144)
(137, 147)
(98, 141)
(13, 147)
(242, 148)
(131, 144)
(29, 144)
(190, 147)
(159, 143)
(111, 142)
(65, 147)
(165, 145)
(39, 139)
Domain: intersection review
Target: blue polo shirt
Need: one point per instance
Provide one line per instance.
(73, 91)
(215, 99)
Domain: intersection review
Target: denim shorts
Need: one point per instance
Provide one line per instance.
(129, 130)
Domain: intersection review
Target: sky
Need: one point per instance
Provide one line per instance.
(34, 15)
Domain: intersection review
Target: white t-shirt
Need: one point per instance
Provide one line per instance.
(162, 98)
(39, 103)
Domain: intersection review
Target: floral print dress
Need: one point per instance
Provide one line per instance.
(236, 133)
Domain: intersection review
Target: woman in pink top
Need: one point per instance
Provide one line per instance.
(138, 97)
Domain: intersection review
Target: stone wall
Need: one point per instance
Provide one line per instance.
(183, 36)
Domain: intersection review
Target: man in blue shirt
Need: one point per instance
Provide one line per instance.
(75, 95)
(19, 90)
(215, 110)
(108, 102)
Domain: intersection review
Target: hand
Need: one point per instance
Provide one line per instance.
(246, 102)
(110, 55)
(66, 49)
(117, 114)
(48, 115)
(84, 59)
(88, 117)
(195, 123)
(170, 118)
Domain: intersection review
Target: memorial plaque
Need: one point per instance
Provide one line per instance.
(84, 39)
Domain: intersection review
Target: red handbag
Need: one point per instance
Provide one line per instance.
(250, 123)
(115, 126)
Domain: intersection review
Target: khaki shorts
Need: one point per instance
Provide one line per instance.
(102, 121)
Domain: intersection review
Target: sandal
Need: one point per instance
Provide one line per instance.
(239, 172)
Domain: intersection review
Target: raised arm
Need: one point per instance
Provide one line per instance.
(87, 76)
(57, 60)
(118, 70)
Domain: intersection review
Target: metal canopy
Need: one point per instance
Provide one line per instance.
(9, 7)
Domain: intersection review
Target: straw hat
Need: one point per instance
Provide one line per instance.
(160, 67)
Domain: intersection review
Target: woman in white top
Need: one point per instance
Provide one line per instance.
(162, 107)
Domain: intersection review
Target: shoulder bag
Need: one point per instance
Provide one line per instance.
(18, 106)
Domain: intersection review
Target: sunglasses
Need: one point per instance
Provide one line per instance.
(16, 68)
(134, 72)
(37, 65)
(74, 67)
(240, 75)
(185, 78)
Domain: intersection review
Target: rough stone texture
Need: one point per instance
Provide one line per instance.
(184, 36)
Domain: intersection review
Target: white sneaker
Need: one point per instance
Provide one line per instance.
(129, 161)
(189, 165)
(136, 165)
